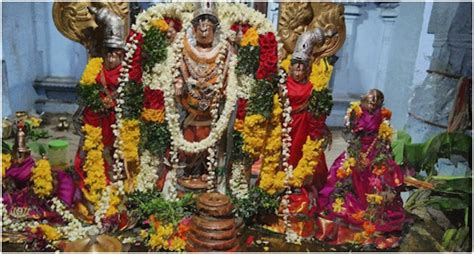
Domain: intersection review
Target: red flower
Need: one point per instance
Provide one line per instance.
(242, 27)
(241, 109)
(135, 72)
(268, 56)
(267, 39)
(250, 240)
(260, 74)
(153, 98)
(177, 25)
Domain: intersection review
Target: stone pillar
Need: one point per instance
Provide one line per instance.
(341, 84)
(432, 101)
(388, 13)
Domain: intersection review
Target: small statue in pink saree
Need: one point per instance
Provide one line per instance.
(361, 201)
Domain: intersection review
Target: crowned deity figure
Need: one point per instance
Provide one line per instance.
(200, 87)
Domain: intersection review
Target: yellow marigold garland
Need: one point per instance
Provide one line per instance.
(6, 162)
(321, 72)
(346, 169)
(91, 71)
(42, 178)
(160, 24)
(253, 134)
(385, 131)
(250, 37)
(114, 201)
(94, 164)
(153, 115)
(159, 240)
(272, 181)
(311, 151)
(355, 106)
(130, 139)
(50, 233)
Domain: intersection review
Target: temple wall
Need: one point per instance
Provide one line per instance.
(21, 60)
(33, 49)
(384, 48)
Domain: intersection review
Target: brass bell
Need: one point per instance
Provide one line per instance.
(94, 244)
(63, 124)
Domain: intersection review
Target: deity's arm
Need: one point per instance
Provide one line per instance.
(179, 82)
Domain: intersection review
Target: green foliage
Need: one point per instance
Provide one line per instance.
(450, 196)
(320, 103)
(452, 184)
(423, 156)
(150, 203)
(237, 152)
(257, 202)
(6, 148)
(248, 60)
(133, 100)
(155, 138)
(154, 48)
(398, 146)
(261, 98)
(88, 95)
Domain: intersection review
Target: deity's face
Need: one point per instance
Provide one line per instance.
(373, 100)
(204, 32)
(113, 58)
(299, 72)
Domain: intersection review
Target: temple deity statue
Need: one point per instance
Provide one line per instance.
(361, 200)
(200, 87)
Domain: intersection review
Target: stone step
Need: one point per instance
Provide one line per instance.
(55, 106)
(341, 103)
(56, 95)
(56, 88)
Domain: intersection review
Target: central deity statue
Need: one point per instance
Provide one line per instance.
(204, 62)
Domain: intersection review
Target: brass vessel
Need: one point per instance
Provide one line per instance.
(100, 243)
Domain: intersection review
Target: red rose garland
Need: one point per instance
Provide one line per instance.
(135, 72)
(153, 99)
(268, 56)
(241, 108)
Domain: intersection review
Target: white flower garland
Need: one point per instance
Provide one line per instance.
(238, 183)
(291, 236)
(183, 11)
(172, 114)
(162, 77)
(147, 177)
(9, 224)
(246, 83)
(74, 230)
(130, 48)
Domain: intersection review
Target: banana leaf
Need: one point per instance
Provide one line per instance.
(447, 203)
(398, 145)
(423, 156)
(452, 184)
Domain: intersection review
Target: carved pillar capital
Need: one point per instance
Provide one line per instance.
(388, 11)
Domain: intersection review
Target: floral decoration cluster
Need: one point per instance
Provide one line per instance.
(96, 180)
(354, 160)
(42, 178)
